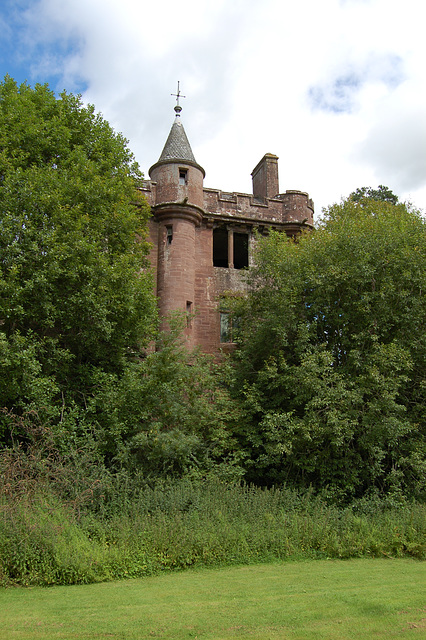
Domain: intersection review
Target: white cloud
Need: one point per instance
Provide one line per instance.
(335, 88)
(395, 141)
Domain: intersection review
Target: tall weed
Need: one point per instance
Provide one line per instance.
(183, 524)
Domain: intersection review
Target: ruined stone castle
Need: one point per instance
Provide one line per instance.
(203, 239)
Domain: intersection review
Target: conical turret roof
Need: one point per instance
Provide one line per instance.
(177, 147)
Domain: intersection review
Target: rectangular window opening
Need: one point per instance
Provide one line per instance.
(229, 326)
(188, 314)
(169, 235)
(183, 176)
(220, 247)
(241, 254)
(225, 334)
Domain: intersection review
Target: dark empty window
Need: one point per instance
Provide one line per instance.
(220, 247)
(240, 250)
(188, 313)
(239, 245)
(169, 235)
(183, 176)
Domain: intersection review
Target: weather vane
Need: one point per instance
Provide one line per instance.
(178, 95)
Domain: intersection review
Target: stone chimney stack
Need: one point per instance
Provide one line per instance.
(265, 177)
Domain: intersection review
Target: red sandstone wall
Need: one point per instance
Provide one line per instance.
(206, 323)
(168, 188)
(278, 210)
(176, 268)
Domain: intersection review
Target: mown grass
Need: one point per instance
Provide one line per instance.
(45, 542)
(328, 599)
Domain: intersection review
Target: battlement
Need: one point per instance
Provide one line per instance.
(290, 207)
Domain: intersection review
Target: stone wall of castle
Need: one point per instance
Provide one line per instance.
(181, 233)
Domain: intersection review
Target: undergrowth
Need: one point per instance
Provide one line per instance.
(172, 526)
(66, 519)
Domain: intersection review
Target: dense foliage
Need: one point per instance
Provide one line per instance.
(332, 361)
(170, 415)
(74, 298)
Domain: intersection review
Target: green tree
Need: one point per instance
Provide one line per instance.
(171, 414)
(331, 367)
(381, 193)
(75, 299)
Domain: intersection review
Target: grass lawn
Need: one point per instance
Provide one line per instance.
(330, 599)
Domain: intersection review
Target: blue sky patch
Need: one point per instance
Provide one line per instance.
(339, 95)
(27, 55)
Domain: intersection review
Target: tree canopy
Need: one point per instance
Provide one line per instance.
(74, 295)
(381, 193)
(331, 366)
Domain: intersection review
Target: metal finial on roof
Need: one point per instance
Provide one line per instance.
(178, 95)
(177, 148)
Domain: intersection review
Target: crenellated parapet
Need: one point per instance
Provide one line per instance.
(293, 207)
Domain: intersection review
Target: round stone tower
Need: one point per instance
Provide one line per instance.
(178, 209)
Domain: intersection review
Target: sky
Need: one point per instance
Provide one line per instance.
(335, 88)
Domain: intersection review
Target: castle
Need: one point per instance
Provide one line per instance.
(203, 239)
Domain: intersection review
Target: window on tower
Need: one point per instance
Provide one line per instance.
(189, 314)
(169, 235)
(183, 176)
